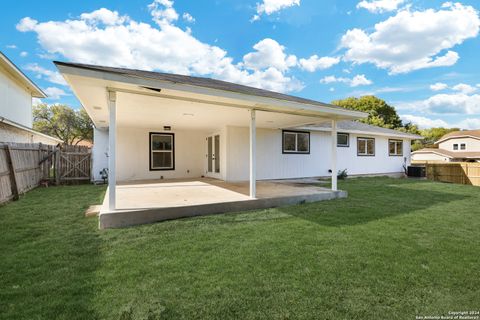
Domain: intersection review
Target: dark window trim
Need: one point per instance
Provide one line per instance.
(348, 140)
(150, 151)
(294, 152)
(455, 144)
(463, 146)
(374, 147)
(392, 154)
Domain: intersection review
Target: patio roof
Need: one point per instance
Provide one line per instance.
(90, 82)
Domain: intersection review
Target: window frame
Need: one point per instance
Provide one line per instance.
(463, 146)
(296, 142)
(348, 140)
(455, 147)
(150, 153)
(366, 148)
(395, 141)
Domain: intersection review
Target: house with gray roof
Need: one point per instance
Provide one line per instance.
(167, 139)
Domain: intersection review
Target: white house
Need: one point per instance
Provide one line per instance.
(457, 146)
(156, 127)
(16, 93)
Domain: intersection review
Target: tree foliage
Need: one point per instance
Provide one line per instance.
(379, 112)
(430, 136)
(61, 121)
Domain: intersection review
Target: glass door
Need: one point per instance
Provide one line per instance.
(213, 156)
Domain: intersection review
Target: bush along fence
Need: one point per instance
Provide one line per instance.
(454, 172)
(26, 166)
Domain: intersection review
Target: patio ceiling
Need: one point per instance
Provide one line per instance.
(149, 102)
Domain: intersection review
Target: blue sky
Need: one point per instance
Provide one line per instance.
(420, 56)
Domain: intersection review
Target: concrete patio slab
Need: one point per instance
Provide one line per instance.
(152, 201)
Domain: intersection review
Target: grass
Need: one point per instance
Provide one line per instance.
(392, 250)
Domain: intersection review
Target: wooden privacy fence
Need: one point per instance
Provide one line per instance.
(454, 172)
(24, 166)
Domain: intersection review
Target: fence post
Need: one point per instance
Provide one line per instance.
(57, 166)
(13, 175)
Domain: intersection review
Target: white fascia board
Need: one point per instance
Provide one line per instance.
(434, 152)
(457, 137)
(367, 133)
(20, 76)
(275, 105)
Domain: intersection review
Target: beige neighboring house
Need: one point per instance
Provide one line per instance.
(457, 146)
(16, 94)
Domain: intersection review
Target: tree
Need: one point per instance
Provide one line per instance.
(379, 112)
(61, 121)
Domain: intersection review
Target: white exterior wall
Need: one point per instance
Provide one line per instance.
(272, 164)
(190, 155)
(472, 145)
(429, 157)
(9, 133)
(133, 154)
(99, 153)
(15, 101)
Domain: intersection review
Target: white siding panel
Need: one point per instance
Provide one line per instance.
(472, 145)
(99, 152)
(133, 154)
(15, 101)
(272, 164)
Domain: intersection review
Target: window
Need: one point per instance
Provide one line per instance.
(463, 146)
(365, 146)
(395, 147)
(296, 142)
(162, 149)
(455, 146)
(343, 140)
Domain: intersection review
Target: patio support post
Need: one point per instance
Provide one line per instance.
(253, 161)
(112, 131)
(334, 155)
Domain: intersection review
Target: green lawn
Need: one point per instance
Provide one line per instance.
(392, 250)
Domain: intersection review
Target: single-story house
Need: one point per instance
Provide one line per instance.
(16, 93)
(456, 146)
(162, 134)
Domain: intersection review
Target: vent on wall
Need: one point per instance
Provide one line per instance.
(152, 89)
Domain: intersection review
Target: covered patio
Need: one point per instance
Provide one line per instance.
(198, 128)
(152, 201)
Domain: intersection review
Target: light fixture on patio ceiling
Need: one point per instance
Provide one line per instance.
(188, 114)
(152, 89)
(97, 108)
(167, 128)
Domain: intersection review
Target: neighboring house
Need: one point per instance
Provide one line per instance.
(153, 126)
(16, 93)
(457, 146)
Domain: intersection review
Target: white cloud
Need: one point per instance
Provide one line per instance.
(131, 44)
(412, 40)
(447, 104)
(163, 12)
(104, 16)
(23, 54)
(438, 86)
(358, 80)
(269, 53)
(316, 63)
(424, 122)
(271, 6)
(380, 6)
(49, 75)
(55, 93)
(188, 17)
(11, 46)
(464, 88)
